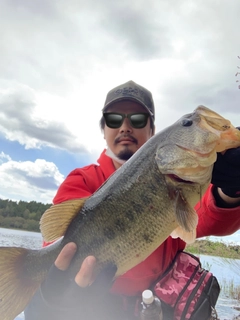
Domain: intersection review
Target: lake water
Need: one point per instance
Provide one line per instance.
(226, 270)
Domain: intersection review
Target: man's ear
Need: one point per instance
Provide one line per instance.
(103, 131)
(153, 130)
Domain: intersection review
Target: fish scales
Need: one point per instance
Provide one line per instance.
(115, 233)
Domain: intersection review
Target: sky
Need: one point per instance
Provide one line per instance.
(59, 58)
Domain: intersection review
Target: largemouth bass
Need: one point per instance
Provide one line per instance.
(149, 198)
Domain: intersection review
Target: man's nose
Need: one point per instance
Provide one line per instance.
(126, 126)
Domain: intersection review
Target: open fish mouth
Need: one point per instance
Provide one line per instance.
(195, 175)
(176, 178)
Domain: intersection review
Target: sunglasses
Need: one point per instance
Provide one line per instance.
(115, 120)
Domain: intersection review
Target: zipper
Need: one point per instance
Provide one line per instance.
(186, 285)
(203, 276)
(197, 268)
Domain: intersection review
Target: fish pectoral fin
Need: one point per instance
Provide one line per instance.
(55, 220)
(17, 286)
(186, 216)
(187, 220)
(188, 237)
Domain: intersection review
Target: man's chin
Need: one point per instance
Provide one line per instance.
(125, 154)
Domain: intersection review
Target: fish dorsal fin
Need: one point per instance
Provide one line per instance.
(55, 220)
(187, 219)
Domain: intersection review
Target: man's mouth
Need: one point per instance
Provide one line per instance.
(125, 140)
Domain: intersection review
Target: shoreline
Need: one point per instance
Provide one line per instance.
(214, 248)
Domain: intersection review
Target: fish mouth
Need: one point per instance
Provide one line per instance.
(176, 178)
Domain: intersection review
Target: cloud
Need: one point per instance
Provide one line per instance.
(37, 180)
(135, 30)
(4, 157)
(18, 123)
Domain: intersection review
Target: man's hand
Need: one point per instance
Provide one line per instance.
(226, 176)
(60, 291)
(226, 172)
(85, 275)
(84, 297)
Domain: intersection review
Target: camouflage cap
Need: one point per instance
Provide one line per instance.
(131, 91)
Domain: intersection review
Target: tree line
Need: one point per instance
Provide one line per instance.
(21, 215)
(214, 248)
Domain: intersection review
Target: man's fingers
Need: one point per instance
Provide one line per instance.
(85, 276)
(65, 256)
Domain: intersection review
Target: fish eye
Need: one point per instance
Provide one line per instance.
(186, 122)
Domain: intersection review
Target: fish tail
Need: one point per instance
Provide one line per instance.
(17, 284)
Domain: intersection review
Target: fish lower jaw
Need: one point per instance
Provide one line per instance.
(177, 179)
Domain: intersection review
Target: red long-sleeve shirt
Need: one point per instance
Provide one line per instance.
(213, 220)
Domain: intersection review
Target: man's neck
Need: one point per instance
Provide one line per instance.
(116, 161)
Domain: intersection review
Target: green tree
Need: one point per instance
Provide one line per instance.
(22, 214)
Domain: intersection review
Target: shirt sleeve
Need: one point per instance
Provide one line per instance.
(78, 184)
(214, 220)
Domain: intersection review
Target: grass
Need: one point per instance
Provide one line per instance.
(230, 289)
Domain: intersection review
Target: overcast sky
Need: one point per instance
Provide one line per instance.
(59, 58)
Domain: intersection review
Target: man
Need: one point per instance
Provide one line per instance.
(127, 123)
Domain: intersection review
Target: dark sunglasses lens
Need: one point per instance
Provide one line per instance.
(139, 120)
(113, 120)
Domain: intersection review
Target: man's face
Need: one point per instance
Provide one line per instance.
(126, 140)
